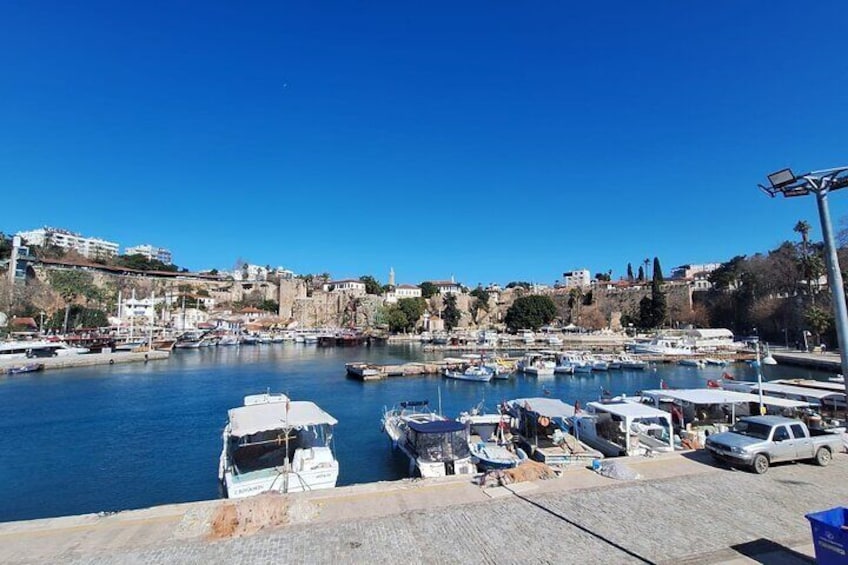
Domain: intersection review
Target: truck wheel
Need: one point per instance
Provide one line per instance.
(760, 464)
(823, 457)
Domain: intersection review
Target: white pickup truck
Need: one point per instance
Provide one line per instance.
(759, 441)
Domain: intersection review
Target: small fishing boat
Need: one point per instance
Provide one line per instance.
(490, 441)
(473, 373)
(26, 368)
(273, 444)
(697, 363)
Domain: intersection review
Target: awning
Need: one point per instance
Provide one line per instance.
(248, 420)
(436, 427)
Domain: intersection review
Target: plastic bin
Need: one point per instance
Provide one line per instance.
(830, 535)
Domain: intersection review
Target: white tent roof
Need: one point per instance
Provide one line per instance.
(629, 410)
(818, 394)
(550, 407)
(710, 333)
(721, 396)
(247, 420)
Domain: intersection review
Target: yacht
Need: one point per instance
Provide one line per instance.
(664, 345)
(23, 349)
(274, 444)
(435, 446)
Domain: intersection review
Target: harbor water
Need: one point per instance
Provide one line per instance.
(117, 437)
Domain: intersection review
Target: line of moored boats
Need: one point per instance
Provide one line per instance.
(273, 443)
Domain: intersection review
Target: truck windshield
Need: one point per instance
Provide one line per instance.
(752, 429)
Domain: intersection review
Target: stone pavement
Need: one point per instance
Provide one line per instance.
(684, 510)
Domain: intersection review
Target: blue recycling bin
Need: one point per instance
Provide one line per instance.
(830, 535)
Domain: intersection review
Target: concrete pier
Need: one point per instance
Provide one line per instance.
(684, 509)
(814, 360)
(88, 359)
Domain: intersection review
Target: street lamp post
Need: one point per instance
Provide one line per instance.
(821, 183)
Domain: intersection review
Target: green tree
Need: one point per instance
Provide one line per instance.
(451, 313)
(396, 319)
(413, 309)
(72, 285)
(372, 285)
(532, 312)
(481, 294)
(629, 272)
(428, 289)
(519, 284)
(819, 321)
(641, 276)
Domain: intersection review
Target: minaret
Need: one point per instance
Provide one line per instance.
(391, 276)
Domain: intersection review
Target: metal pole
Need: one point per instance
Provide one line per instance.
(760, 378)
(834, 276)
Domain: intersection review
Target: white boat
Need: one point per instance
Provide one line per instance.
(274, 444)
(228, 339)
(664, 345)
(697, 363)
(600, 365)
(629, 363)
(527, 336)
(624, 428)
(23, 349)
(543, 432)
(489, 441)
(715, 362)
(537, 364)
(473, 373)
(310, 339)
(554, 341)
(435, 446)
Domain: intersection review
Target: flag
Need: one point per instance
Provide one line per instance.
(727, 376)
(713, 384)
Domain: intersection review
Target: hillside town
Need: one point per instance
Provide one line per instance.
(59, 280)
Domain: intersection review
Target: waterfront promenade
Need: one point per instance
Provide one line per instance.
(88, 359)
(683, 510)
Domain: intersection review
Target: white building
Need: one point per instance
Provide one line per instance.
(447, 287)
(151, 252)
(346, 285)
(249, 272)
(403, 291)
(690, 271)
(90, 247)
(581, 278)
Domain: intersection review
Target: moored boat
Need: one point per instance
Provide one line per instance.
(490, 441)
(473, 373)
(274, 444)
(435, 446)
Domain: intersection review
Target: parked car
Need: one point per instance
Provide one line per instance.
(758, 441)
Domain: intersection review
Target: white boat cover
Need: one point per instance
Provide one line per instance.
(721, 396)
(816, 393)
(550, 407)
(248, 420)
(629, 410)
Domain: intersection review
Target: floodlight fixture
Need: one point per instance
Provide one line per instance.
(781, 178)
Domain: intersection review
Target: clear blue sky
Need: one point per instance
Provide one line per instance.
(494, 141)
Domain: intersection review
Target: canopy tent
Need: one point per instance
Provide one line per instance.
(550, 407)
(248, 420)
(721, 396)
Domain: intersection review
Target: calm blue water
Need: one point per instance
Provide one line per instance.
(132, 436)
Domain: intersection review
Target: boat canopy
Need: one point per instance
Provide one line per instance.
(436, 427)
(790, 390)
(550, 407)
(810, 383)
(721, 396)
(629, 410)
(249, 420)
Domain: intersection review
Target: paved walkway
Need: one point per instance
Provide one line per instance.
(684, 510)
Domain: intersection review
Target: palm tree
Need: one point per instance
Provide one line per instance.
(803, 228)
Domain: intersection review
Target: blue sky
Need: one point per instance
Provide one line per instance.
(493, 141)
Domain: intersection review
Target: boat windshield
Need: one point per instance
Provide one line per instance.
(752, 429)
(446, 446)
(273, 448)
